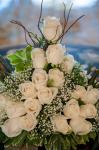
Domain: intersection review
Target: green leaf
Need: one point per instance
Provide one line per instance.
(92, 135)
(2, 136)
(14, 59)
(50, 83)
(49, 66)
(16, 141)
(20, 67)
(21, 59)
(78, 77)
(28, 52)
(80, 102)
(35, 140)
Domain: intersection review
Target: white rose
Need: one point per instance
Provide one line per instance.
(88, 111)
(68, 63)
(32, 106)
(79, 92)
(15, 109)
(28, 122)
(46, 94)
(60, 124)
(55, 54)
(80, 126)
(38, 58)
(27, 90)
(40, 77)
(52, 28)
(91, 96)
(71, 109)
(57, 77)
(11, 127)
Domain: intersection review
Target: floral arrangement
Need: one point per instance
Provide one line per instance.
(46, 97)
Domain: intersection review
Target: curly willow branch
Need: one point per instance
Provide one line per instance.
(25, 31)
(39, 21)
(66, 19)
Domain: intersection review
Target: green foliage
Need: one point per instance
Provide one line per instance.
(80, 102)
(21, 59)
(49, 66)
(16, 141)
(51, 142)
(35, 139)
(96, 142)
(67, 142)
(5, 68)
(50, 83)
(78, 77)
(2, 136)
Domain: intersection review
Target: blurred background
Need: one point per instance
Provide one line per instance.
(85, 32)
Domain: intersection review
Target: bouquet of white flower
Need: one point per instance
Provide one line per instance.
(48, 98)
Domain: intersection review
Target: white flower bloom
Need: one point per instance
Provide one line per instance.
(52, 28)
(32, 106)
(11, 127)
(57, 77)
(91, 96)
(28, 122)
(80, 126)
(46, 94)
(15, 109)
(38, 58)
(88, 111)
(71, 109)
(68, 63)
(39, 77)
(60, 124)
(27, 90)
(79, 92)
(55, 54)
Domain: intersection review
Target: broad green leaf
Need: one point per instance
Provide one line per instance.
(2, 136)
(16, 141)
(14, 59)
(28, 52)
(21, 59)
(20, 67)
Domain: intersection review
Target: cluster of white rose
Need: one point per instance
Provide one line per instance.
(77, 114)
(36, 92)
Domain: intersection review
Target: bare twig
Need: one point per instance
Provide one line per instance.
(62, 35)
(65, 23)
(66, 19)
(39, 21)
(25, 30)
(69, 13)
(34, 35)
(74, 23)
(26, 38)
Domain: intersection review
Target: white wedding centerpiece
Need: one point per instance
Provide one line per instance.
(47, 99)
